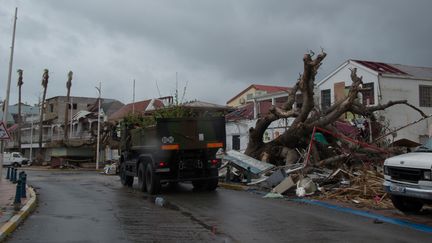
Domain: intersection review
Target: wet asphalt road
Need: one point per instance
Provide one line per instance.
(89, 207)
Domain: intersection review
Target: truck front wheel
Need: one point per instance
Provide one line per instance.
(152, 180)
(406, 204)
(125, 179)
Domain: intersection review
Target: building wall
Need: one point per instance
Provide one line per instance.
(59, 105)
(241, 128)
(236, 102)
(344, 75)
(386, 89)
(400, 115)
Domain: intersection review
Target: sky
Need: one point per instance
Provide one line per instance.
(207, 50)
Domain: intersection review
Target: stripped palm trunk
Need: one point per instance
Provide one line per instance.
(45, 78)
(68, 86)
(20, 83)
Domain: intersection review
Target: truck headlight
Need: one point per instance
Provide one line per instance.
(386, 170)
(427, 175)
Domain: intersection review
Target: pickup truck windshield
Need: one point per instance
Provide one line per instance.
(427, 147)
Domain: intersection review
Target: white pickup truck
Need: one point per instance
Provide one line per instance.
(15, 159)
(408, 178)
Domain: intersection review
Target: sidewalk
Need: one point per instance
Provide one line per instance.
(9, 218)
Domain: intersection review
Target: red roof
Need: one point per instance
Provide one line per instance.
(140, 107)
(246, 111)
(267, 88)
(381, 67)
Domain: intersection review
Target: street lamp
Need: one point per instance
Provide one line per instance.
(98, 127)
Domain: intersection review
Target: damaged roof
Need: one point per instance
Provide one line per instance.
(139, 107)
(398, 69)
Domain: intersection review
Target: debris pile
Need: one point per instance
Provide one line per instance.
(342, 169)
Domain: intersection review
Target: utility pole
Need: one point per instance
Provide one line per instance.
(133, 98)
(31, 136)
(6, 104)
(98, 127)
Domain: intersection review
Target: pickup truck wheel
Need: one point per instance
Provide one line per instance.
(16, 164)
(406, 204)
(141, 178)
(125, 179)
(152, 180)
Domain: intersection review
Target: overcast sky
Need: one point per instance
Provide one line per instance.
(217, 48)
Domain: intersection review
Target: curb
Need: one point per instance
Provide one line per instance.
(231, 186)
(18, 218)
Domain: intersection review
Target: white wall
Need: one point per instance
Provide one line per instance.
(344, 75)
(400, 115)
(390, 88)
(242, 128)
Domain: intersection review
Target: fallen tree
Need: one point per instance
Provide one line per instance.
(309, 115)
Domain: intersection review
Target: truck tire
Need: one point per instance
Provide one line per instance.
(406, 204)
(212, 184)
(16, 164)
(199, 185)
(125, 179)
(152, 180)
(141, 178)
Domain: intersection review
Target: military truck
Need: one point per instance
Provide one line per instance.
(173, 150)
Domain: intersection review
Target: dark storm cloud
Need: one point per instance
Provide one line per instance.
(216, 45)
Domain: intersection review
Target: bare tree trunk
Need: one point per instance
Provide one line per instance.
(45, 78)
(309, 115)
(20, 83)
(68, 86)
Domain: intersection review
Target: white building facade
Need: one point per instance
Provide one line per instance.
(387, 82)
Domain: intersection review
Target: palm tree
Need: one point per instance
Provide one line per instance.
(20, 83)
(45, 77)
(68, 86)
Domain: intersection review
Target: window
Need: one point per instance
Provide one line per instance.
(425, 96)
(236, 142)
(51, 107)
(74, 105)
(325, 98)
(368, 94)
(249, 96)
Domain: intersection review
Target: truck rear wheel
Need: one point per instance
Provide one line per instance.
(141, 178)
(152, 180)
(125, 179)
(212, 184)
(406, 204)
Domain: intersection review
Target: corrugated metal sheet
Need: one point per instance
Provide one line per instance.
(398, 69)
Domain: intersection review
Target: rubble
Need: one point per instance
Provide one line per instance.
(348, 172)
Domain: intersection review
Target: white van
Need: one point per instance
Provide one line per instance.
(15, 159)
(408, 178)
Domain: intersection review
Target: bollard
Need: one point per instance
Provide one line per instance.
(228, 174)
(248, 175)
(11, 174)
(14, 175)
(23, 185)
(17, 202)
(8, 174)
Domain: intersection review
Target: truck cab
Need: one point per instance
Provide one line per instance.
(173, 150)
(408, 178)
